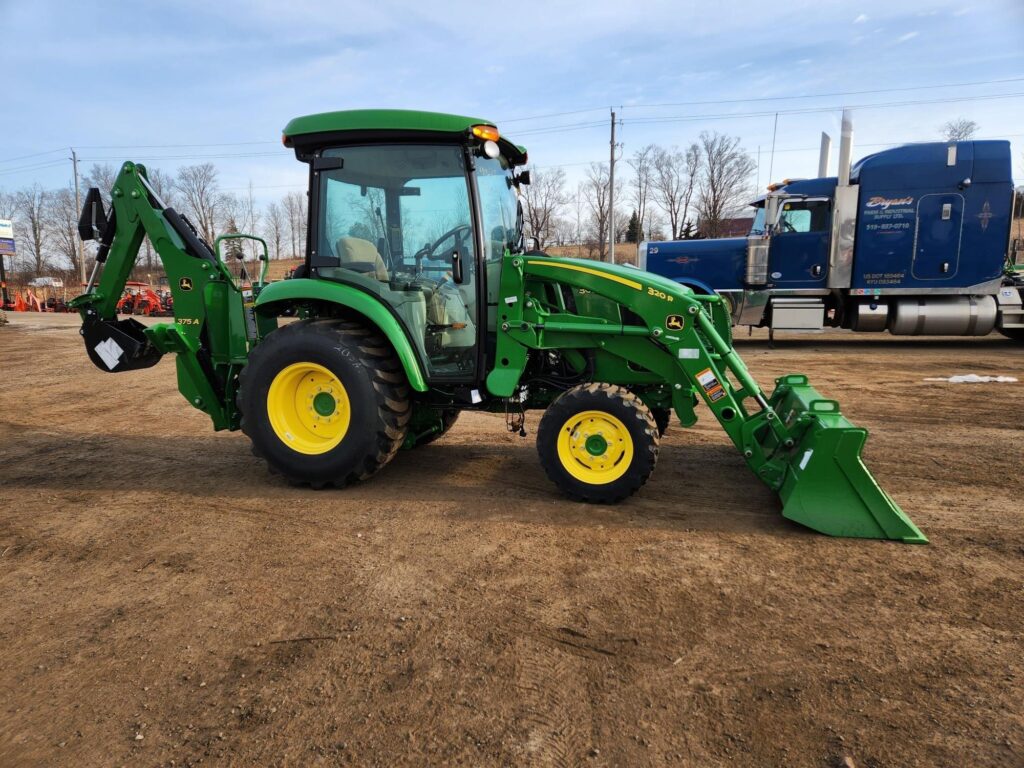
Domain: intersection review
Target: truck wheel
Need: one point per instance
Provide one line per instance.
(598, 443)
(448, 419)
(325, 402)
(1017, 334)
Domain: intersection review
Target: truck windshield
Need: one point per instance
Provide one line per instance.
(499, 207)
(757, 228)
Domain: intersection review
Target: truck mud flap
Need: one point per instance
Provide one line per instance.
(119, 345)
(825, 485)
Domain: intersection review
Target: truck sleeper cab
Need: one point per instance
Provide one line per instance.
(914, 242)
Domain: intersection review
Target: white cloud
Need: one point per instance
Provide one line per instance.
(861, 19)
(908, 36)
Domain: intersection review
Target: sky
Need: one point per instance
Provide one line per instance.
(191, 81)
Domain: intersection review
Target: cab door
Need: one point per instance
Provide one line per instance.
(940, 219)
(798, 252)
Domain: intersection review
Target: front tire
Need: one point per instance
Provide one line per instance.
(325, 402)
(663, 419)
(598, 443)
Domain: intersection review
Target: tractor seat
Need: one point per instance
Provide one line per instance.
(361, 256)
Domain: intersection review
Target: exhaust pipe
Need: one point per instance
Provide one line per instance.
(845, 148)
(826, 150)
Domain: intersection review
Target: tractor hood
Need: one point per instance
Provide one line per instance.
(698, 263)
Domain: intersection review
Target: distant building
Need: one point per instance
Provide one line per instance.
(737, 227)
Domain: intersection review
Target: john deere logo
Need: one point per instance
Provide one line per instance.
(674, 322)
(185, 283)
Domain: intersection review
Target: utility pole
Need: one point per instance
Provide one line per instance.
(611, 194)
(78, 208)
(771, 162)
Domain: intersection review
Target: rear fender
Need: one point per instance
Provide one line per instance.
(277, 297)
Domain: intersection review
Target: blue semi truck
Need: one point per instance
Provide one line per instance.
(912, 240)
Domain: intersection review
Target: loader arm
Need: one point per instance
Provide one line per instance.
(795, 441)
(213, 326)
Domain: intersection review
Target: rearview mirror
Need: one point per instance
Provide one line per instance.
(93, 220)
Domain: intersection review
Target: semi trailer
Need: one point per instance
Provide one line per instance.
(913, 240)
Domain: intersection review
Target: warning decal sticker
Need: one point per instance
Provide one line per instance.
(707, 380)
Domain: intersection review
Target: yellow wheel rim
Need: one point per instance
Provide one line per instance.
(308, 408)
(595, 447)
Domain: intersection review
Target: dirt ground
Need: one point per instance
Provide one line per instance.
(165, 601)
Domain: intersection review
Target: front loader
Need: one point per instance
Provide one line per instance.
(417, 300)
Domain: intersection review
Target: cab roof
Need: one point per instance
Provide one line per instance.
(309, 130)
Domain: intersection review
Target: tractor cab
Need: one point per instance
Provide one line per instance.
(418, 209)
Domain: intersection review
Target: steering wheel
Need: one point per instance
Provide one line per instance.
(787, 226)
(459, 234)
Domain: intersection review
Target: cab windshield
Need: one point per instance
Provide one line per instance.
(499, 207)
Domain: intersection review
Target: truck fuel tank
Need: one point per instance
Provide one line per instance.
(943, 316)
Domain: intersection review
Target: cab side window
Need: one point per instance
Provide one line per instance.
(804, 216)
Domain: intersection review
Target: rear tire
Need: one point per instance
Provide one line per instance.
(598, 443)
(325, 402)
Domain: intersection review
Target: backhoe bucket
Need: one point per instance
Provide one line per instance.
(826, 485)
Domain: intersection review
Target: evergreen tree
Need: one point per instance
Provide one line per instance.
(233, 250)
(633, 233)
(688, 232)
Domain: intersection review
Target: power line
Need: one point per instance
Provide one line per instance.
(769, 98)
(37, 167)
(829, 95)
(177, 146)
(192, 157)
(35, 154)
(811, 110)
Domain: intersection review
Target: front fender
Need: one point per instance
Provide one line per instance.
(273, 298)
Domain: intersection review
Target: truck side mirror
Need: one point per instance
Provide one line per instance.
(93, 220)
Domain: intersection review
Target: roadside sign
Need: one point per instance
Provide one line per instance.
(6, 229)
(6, 246)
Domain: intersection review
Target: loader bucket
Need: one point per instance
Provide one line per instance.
(826, 485)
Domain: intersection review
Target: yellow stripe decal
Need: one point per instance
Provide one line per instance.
(597, 273)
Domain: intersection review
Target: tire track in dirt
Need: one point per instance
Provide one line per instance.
(552, 691)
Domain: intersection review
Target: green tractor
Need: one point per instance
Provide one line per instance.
(418, 300)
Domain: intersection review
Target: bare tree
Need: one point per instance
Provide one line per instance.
(196, 186)
(163, 183)
(960, 129)
(102, 176)
(8, 205)
(229, 209)
(32, 207)
(724, 181)
(595, 194)
(295, 212)
(274, 228)
(674, 180)
(544, 199)
(642, 163)
(62, 221)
